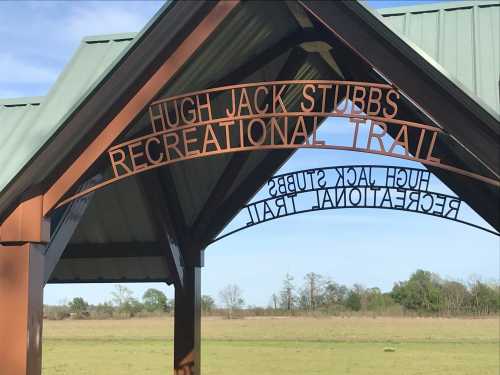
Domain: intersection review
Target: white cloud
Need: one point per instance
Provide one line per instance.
(107, 17)
(39, 38)
(18, 71)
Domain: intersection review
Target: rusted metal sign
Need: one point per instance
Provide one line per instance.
(352, 186)
(257, 116)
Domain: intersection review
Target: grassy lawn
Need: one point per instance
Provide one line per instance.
(292, 346)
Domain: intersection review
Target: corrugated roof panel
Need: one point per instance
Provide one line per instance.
(308, 71)
(116, 214)
(458, 45)
(463, 37)
(422, 29)
(16, 116)
(488, 59)
(246, 34)
(397, 22)
(110, 269)
(92, 59)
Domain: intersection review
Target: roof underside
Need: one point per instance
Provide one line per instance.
(252, 45)
(127, 231)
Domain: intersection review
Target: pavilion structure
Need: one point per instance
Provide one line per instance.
(63, 219)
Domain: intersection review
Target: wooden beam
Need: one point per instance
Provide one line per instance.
(372, 41)
(206, 216)
(184, 263)
(164, 34)
(158, 207)
(246, 190)
(26, 223)
(293, 63)
(111, 269)
(257, 62)
(231, 205)
(66, 227)
(176, 210)
(113, 250)
(136, 104)
(267, 56)
(21, 311)
(483, 198)
(208, 224)
(187, 326)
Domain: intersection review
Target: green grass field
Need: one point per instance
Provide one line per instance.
(291, 346)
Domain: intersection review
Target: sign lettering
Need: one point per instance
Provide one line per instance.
(354, 186)
(272, 116)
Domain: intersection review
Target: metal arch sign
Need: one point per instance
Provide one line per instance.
(256, 116)
(352, 186)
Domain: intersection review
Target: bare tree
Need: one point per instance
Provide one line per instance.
(313, 290)
(455, 295)
(274, 301)
(232, 298)
(287, 294)
(124, 300)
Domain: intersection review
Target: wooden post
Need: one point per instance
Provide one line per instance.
(187, 328)
(21, 309)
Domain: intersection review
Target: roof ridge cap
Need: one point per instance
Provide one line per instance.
(442, 5)
(22, 100)
(109, 37)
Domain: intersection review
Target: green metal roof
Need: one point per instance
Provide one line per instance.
(16, 118)
(463, 37)
(27, 123)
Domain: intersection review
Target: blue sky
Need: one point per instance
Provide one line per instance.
(371, 247)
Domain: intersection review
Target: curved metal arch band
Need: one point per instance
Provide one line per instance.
(348, 207)
(281, 147)
(282, 114)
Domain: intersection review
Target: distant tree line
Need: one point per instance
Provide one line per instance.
(424, 293)
(122, 305)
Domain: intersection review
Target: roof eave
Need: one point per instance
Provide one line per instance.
(22, 185)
